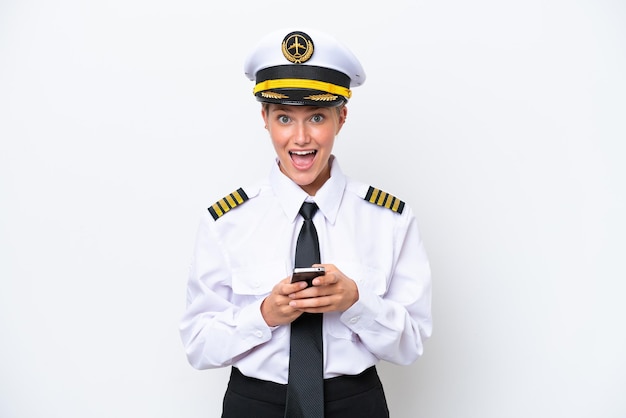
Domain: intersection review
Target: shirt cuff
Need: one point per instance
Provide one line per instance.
(252, 323)
(362, 314)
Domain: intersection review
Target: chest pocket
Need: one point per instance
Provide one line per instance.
(258, 279)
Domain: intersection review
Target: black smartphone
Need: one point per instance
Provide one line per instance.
(307, 274)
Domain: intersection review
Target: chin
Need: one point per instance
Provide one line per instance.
(303, 181)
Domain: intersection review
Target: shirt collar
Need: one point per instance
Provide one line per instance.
(291, 196)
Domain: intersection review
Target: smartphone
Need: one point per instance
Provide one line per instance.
(307, 274)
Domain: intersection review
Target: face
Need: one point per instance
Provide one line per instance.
(303, 138)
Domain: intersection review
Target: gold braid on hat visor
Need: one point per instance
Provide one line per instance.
(298, 83)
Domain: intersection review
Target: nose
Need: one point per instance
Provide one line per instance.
(301, 134)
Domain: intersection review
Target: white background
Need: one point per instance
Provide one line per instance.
(501, 123)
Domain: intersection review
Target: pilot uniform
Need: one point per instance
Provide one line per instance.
(245, 245)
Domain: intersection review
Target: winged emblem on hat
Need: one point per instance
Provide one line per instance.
(298, 47)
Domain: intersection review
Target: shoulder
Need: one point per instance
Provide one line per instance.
(233, 200)
(371, 195)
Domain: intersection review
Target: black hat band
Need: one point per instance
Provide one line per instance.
(303, 77)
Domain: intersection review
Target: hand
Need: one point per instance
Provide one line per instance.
(275, 307)
(331, 292)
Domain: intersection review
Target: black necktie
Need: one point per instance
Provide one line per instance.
(305, 390)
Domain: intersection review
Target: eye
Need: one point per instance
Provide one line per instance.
(317, 118)
(283, 119)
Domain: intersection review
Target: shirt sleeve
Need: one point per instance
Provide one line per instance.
(215, 331)
(393, 326)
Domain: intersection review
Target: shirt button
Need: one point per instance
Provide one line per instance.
(255, 284)
(355, 319)
(258, 334)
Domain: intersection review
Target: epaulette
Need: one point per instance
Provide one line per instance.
(227, 203)
(381, 198)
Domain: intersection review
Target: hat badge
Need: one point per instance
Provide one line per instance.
(298, 47)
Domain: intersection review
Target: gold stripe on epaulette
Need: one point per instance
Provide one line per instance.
(380, 198)
(227, 203)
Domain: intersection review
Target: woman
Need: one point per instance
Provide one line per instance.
(374, 300)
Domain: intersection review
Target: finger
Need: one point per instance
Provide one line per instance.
(289, 289)
(326, 280)
(309, 292)
(311, 303)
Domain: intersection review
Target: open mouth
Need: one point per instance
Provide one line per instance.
(303, 159)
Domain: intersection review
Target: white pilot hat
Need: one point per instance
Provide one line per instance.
(303, 67)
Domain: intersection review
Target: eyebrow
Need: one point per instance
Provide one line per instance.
(287, 108)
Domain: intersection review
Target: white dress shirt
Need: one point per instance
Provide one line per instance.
(243, 254)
